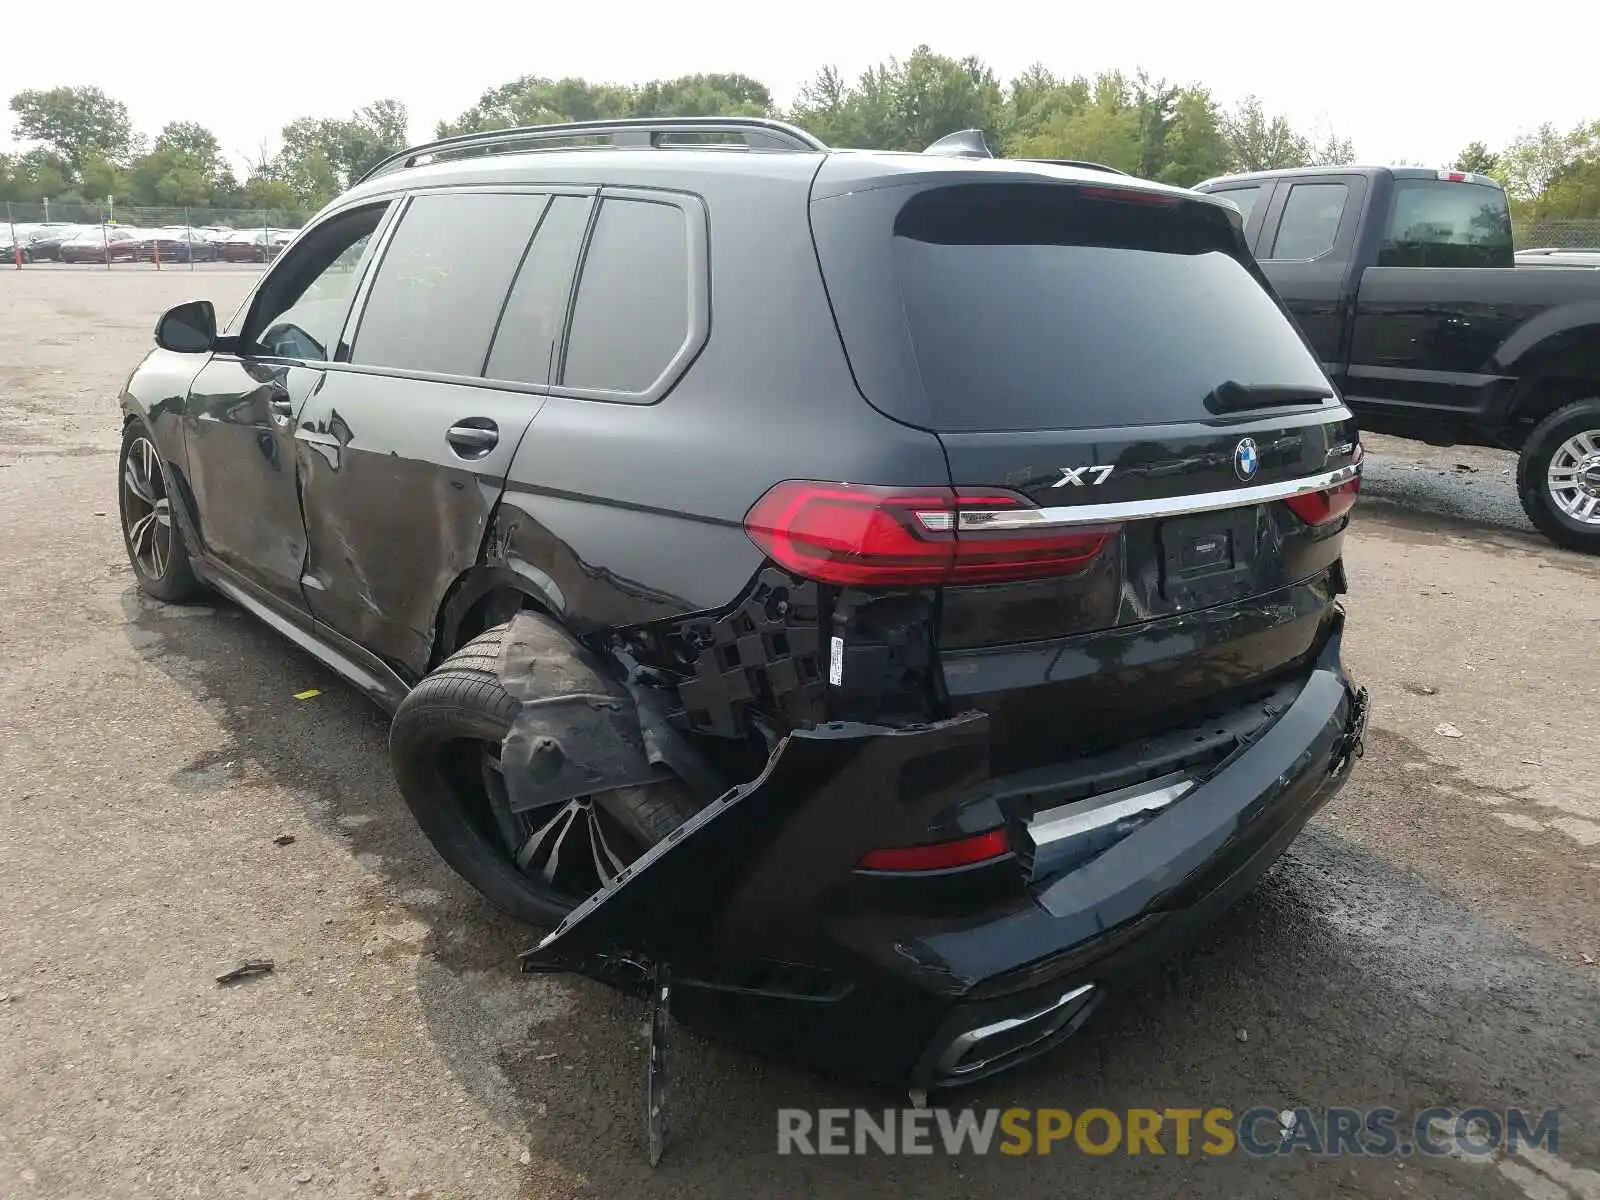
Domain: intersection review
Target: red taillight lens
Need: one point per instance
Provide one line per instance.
(1319, 508)
(866, 536)
(938, 856)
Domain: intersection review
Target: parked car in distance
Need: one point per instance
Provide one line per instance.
(176, 245)
(44, 243)
(1025, 703)
(1404, 281)
(253, 245)
(109, 243)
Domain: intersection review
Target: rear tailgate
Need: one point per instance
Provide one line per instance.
(1066, 340)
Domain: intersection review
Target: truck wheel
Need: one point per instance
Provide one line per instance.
(444, 746)
(1558, 476)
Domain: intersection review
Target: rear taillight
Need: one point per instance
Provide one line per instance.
(861, 535)
(938, 856)
(1319, 508)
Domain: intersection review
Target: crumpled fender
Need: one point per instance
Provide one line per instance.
(578, 730)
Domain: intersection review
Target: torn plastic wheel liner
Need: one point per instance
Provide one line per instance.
(577, 732)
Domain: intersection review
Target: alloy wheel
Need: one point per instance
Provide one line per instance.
(1573, 477)
(574, 847)
(146, 511)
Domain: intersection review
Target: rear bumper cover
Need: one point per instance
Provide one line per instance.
(953, 992)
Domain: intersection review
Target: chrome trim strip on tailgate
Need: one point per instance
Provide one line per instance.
(1168, 506)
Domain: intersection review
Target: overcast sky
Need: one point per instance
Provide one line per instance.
(1402, 80)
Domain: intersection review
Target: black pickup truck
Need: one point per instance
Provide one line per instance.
(1405, 282)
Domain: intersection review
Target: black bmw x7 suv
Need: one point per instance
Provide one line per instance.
(898, 590)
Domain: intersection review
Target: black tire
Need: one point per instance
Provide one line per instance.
(1533, 482)
(169, 576)
(463, 705)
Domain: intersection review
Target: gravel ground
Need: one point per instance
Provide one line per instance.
(1429, 940)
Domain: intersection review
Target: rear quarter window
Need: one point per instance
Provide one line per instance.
(633, 314)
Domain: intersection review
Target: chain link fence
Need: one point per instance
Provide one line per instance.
(111, 234)
(1576, 234)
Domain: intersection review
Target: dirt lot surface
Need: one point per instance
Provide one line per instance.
(1430, 939)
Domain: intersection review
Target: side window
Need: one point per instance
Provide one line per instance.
(632, 312)
(530, 326)
(303, 303)
(1244, 197)
(1310, 220)
(443, 279)
(1443, 224)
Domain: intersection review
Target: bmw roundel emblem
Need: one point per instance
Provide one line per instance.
(1245, 459)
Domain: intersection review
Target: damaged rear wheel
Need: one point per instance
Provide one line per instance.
(445, 746)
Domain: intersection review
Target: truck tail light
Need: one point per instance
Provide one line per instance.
(861, 535)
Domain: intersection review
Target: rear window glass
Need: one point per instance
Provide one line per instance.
(1036, 308)
(1442, 224)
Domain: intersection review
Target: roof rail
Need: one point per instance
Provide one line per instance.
(970, 143)
(758, 133)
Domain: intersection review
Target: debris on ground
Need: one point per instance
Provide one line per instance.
(1448, 730)
(1588, 959)
(308, 694)
(283, 839)
(1466, 467)
(1243, 1035)
(249, 967)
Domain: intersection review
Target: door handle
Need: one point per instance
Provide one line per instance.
(474, 437)
(281, 409)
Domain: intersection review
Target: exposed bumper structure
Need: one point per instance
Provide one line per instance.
(775, 935)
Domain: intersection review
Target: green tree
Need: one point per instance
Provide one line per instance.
(1110, 128)
(1257, 142)
(1196, 144)
(76, 122)
(535, 100)
(321, 156)
(185, 168)
(1475, 156)
(36, 175)
(1334, 152)
(1536, 160)
(902, 105)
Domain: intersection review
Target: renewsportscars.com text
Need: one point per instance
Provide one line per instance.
(1259, 1131)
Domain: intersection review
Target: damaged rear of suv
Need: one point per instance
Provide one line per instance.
(1029, 722)
(910, 602)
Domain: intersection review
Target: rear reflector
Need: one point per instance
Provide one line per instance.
(938, 856)
(861, 535)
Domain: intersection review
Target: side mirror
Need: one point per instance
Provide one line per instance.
(188, 329)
